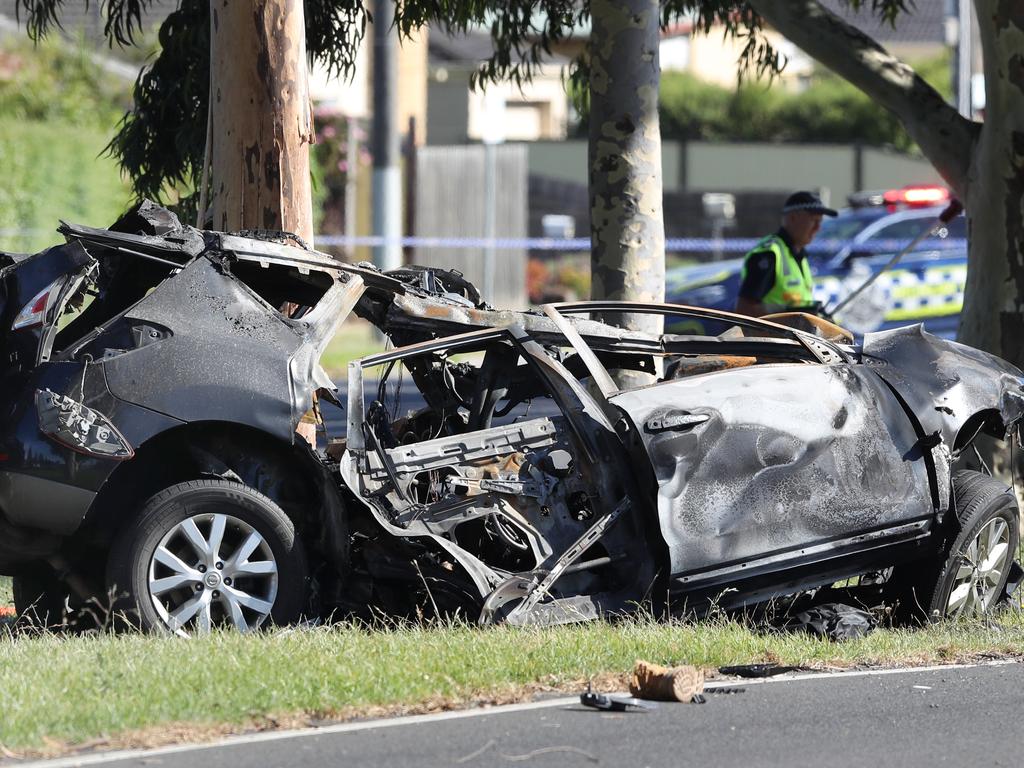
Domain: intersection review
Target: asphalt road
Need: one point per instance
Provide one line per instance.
(948, 716)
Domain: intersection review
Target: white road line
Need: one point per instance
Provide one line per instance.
(100, 758)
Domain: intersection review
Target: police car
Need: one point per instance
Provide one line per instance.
(926, 285)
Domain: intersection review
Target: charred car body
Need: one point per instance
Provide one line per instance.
(155, 376)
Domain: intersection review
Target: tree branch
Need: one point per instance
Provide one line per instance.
(945, 137)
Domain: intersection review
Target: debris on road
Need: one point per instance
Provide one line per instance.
(834, 621)
(653, 681)
(613, 702)
(757, 670)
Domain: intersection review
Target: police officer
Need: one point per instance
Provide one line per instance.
(776, 276)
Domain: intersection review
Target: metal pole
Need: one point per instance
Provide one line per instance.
(963, 55)
(387, 179)
(717, 243)
(490, 218)
(351, 190)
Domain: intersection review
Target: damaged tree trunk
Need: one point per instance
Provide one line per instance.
(262, 123)
(627, 229)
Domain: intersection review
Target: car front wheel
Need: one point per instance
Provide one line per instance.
(972, 577)
(208, 553)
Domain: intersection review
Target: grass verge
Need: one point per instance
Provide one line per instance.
(54, 171)
(355, 338)
(60, 693)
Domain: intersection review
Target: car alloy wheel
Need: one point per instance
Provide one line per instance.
(967, 577)
(204, 554)
(211, 569)
(979, 579)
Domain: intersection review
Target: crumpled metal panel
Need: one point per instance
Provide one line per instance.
(415, 311)
(185, 242)
(787, 456)
(229, 355)
(945, 383)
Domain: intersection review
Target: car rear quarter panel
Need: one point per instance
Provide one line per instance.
(228, 357)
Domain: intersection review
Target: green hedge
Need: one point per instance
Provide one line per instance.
(828, 110)
(60, 79)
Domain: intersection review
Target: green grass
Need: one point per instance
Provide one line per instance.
(66, 690)
(53, 171)
(6, 596)
(356, 338)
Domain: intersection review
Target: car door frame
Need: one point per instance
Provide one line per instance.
(909, 534)
(594, 433)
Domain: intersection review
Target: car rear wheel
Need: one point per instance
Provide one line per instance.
(208, 553)
(970, 578)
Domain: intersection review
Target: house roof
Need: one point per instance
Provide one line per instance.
(470, 48)
(75, 15)
(924, 23)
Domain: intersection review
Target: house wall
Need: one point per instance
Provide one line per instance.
(448, 115)
(736, 167)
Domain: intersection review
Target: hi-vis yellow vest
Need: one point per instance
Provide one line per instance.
(793, 285)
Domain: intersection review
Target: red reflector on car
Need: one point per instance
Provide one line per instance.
(33, 313)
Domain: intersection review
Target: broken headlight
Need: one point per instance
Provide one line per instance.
(78, 427)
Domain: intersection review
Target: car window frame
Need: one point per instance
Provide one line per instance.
(819, 350)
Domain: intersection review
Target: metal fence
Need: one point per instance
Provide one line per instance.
(451, 202)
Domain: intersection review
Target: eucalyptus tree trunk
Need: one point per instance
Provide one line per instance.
(993, 317)
(262, 124)
(627, 229)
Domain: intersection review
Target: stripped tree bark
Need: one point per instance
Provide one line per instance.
(627, 226)
(261, 117)
(982, 162)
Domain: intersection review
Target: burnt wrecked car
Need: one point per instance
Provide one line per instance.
(491, 463)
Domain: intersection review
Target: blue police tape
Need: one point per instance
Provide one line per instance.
(672, 245)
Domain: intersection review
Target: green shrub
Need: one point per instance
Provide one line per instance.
(828, 110)
(58, 79)
(58, 111)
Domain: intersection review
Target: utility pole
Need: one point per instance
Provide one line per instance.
(493, 134)
(351, 175)
(387, 178)
(958, 37)
(261, 117)
(963, 60)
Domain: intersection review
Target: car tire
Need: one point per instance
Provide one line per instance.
(968, 579)
(208, 553)
(40, 598)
